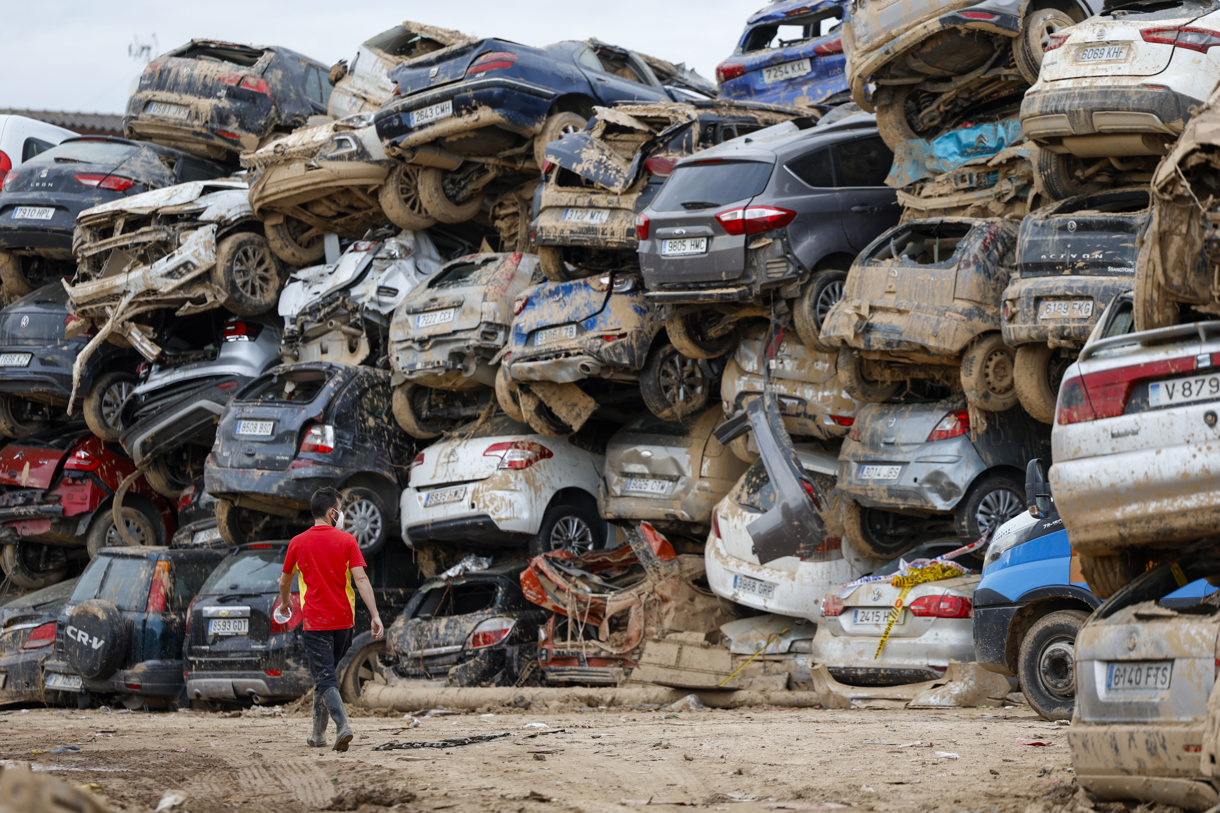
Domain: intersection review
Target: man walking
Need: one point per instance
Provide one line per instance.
(329, 562)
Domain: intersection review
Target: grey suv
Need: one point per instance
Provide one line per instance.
(775, 215)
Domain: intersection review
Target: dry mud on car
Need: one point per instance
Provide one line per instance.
(999, 185)
(27, 631)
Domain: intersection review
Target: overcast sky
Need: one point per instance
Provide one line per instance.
(74, 55)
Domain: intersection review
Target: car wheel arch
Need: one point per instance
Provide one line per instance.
(1001, 469)
(1031, 613)
(1073, 8)
(386, 489)
(822, 248)
(568, 494)
(573, 103)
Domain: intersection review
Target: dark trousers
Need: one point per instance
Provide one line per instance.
(324, 649)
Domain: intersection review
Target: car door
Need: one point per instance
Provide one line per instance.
(867, 206)
(368, 407)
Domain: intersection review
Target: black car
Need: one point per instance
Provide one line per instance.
(122, 631)
(300, 427)
(36, 367)
(474, 629)
(219, 99)
(41, 199)
(27, 631)
(196, 518)
(235, 650)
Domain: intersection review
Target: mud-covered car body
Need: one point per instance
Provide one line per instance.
(341, 313)
(789, 53)
(218, 99)
(670, 474)
(472, 629)
(27, 633)
(196, 518)
(995, 185)
(569, 653)
(122, 631)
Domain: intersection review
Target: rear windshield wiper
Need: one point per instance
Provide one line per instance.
(66, 159)
(698, 204)
(227, 597)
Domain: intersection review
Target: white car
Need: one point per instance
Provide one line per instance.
(497, 483)
(21, 138)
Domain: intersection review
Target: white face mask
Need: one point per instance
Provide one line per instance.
(339, 520)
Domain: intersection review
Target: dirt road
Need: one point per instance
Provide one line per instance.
(562, 760)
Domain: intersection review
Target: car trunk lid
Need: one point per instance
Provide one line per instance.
(34, 463)
(40, 322)
(265, 427)
(559, 303)
(205, 69)
(1109, 45)
(890, 430)
(867, 609)
(441, 67)
(1087, 242)
(457, 298)
(467, 460)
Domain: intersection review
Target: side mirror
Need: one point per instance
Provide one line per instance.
(1037, 490)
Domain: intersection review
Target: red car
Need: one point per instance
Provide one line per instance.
(56, 490)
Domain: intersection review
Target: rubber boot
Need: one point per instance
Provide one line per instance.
(334, 704)
(318, 738)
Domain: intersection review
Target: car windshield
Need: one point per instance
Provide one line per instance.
(290, 386)
(704, 185)
(757, 494)
(792, 30)
(447, 599)
(253, 570)
(32, 326)
(55, 594)
(465, 272)
(123, 581)
(1200, 563)
(234, 54)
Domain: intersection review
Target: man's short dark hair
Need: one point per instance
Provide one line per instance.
(324, 499)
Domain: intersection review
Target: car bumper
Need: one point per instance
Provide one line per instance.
(806, 408)
(206, 119)
(203, 533)
(269, 490)
(46, 378)
(449, 361)
(1107, 106)
(853, 659)
(172, 425)
(243, 685)
(990, 629)
(1025, 297)
(563, 668)
(618, 232)
(496, 511)
(873, 327)
(160, 678)
(619, 359)
(1150, 761)
(933, 477)
(50, 238)
(693, 508)
(21, 677)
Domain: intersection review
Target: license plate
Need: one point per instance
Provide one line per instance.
(1065, 309)
(1134, 676)
(786, 70)
(593, 216)
(431, 113)
(684, 246)
(206, 536)
(15, 359)
(260, 429)
(65, 683)
(34, 213)
(879, 615)
(229, 626)
(169, 111)
(757, 587)
(1184, 390)
(430, 318)
(1102, 53)
(648, 484)
(444, 496)
(880, 472)
(554, 334)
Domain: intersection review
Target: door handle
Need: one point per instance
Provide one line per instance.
(868, 210)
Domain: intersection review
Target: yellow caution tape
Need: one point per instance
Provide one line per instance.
(1178, 575)
(772, 638)
(934, 572)
(895, 612)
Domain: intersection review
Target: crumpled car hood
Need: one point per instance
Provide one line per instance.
(217, 201)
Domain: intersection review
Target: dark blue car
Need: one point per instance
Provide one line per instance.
(791, 54)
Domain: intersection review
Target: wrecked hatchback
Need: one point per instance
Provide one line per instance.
(27, 631)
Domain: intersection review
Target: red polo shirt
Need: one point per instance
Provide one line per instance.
(324, 557)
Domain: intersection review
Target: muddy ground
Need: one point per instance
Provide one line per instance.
(563, 759)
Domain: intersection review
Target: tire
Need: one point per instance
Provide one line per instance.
(20, 417)
(1046, 665)
(437, 201)
(992, 501)
(400, 199)
(102, 532)
(540, 417)
(689, 332)
(248, 272)
(102, 639)
(556, 126)
(103, 403)
(365, 517)
(360, 671)
(1152, 307)
(851, 375)
(1106, 575)
(1037, 375)
(818, 295)
(987, 373)
(32, 565)
(1057, 172)
(673, 386)
(574, 526)
(237, 526)
(1030, 45)
(170, 473)
(284, 238)
(506, 395)
(550, 260)
(408, 403)
(877, 534)
(892, 124)
(13, 282)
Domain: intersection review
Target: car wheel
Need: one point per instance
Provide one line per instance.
(248, 272)
(850, 369)
(237, 526)
(541, 418)
(32, 565)
(991, 502)
(410, 402)
(1106, 575)
(892, 125)
(21, 417)
(1152, 305)
(694, 333)
(443, 201)
(1030, 45)
(103, 533)
(1062, 175)
(987, 373)
(507, 396)
(104, 401)
(102, 638)
(818, 296)
(572, 526)
(361, 671)
(550, 260)
(400, 199)
(1046, 665)
(365, 517)
(295, 241)
(13, 282)
(170, 473)
(1038, 373)
(674, 386)
(878, 534)
(556, 126)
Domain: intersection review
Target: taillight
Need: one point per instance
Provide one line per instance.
(832, 606)
(942, 607)
(830, 47)
(114, 183)
(812, 492)
(519, 304)
(517, 454)
(547, 166)
(660, 167)
(294, 600)
(9, 178)
(716, 524)
(844, 420)
(160, 588)
(1192, 39)
(490, 632)
(418, 461)
(1073, 405)
(953, 425)
(40, 636)
(754, 219)
(641, 227)
(188, 494)
(319, 438)
(492, 61)
(1104, 394)
(1056, 41)
(729, 70)
(82, 460)
(251, 83)
(6, 164)
(151, 68)
(238, 331)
